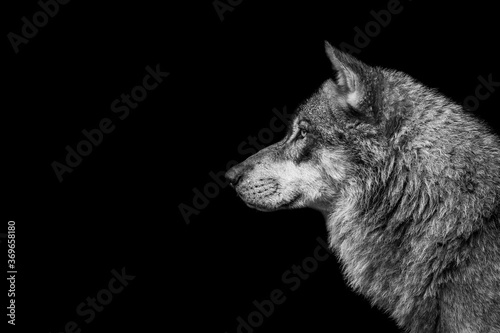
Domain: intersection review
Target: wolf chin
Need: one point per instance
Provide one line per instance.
(409, 184)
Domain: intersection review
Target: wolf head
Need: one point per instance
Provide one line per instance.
(320, 152)
(361, 132)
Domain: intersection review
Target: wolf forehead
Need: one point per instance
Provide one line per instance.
(376, 105)
(324, 113)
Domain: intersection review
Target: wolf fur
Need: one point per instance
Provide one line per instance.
(409, 184)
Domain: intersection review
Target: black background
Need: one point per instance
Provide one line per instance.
(120, 206)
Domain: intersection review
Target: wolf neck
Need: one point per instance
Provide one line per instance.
(392, 229)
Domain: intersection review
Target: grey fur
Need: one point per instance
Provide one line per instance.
(409, 184)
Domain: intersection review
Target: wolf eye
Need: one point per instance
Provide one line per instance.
(303, 128)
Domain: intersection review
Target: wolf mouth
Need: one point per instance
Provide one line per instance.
(265, 208)
(291, 202)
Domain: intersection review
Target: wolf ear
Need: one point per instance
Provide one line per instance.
(349, 71)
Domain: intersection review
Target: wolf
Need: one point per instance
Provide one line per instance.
(409, 185)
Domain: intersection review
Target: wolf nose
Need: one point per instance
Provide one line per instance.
(234, 175)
